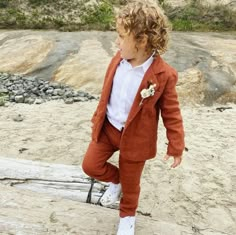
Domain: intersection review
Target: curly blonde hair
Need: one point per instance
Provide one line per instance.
(146, 19)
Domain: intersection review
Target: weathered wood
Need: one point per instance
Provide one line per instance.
(23, 212)
(55, 179)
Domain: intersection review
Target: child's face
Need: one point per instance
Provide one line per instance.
(129, 48)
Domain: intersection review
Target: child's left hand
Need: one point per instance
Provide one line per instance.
(177, 160)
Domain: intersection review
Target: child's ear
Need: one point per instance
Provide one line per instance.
(144, 41)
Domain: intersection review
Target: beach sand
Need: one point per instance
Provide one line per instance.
(199, 194)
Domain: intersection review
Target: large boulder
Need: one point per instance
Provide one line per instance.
(21, 53)
(205, 61)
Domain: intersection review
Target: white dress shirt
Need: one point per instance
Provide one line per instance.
(125, 86)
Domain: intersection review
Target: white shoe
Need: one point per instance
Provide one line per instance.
(126, 226)
(111, 195)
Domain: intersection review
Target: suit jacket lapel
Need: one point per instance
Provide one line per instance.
(149, 77)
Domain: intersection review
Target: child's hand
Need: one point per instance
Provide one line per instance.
(177, 160)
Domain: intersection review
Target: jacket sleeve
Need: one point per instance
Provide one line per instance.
(94, 116)
(171, 116)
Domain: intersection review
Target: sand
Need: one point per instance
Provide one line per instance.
(199, 194)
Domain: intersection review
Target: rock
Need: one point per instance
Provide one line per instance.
(29, 100)
(57, 92)
(55, 85)
(80, 60)
(227, 98)
(3, 91)
(18, 118)
(25, 56)
(81, 94)
(38, 101)
(77, 99)
(30, 90)
(60, 92)
(69, 101)
(91, 69)
(191, 86)
(19, 99)
(68, 94)
(19, 92)
(56, 97)
(2, 102)
(49, 91)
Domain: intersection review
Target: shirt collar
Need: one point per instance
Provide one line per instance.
(144, 66)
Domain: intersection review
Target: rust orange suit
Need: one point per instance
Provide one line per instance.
(138, 140)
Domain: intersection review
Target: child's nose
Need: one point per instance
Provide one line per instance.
(117, 42)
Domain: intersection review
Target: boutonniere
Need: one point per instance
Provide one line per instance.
(145, 93)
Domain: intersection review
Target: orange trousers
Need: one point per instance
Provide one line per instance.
(128, 174)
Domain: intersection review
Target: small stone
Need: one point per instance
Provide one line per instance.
(83, 99)
(90, 97)
(38, 101)
(44, 88)
(3, 91)
(7, 104)
(29, 100)
(31, 90)
(10, 88)
(49, 91)
(14, 92)
(2, 102)
(69, 101)
(26, 95)
(35, 90)
(18, 118)
(12, 98)
(55, 92)
(55, 85)
(60, 92)
(31, 79)
(77, 99)
(75, 93)
(19, 99)
(68, 94)
(81, 94)
(20, 92)
(8, 84)
(5, 76)
(56, 97)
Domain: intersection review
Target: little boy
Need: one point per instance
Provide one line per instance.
(138, 86)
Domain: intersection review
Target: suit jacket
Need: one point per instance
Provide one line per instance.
(139, 137)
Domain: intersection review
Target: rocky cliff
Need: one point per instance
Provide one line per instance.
(206, 62)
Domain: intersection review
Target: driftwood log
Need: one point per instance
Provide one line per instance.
(23, 212)
(67, 181)
(34, 201)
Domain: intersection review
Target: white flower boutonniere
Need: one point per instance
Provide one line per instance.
(145, 93)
